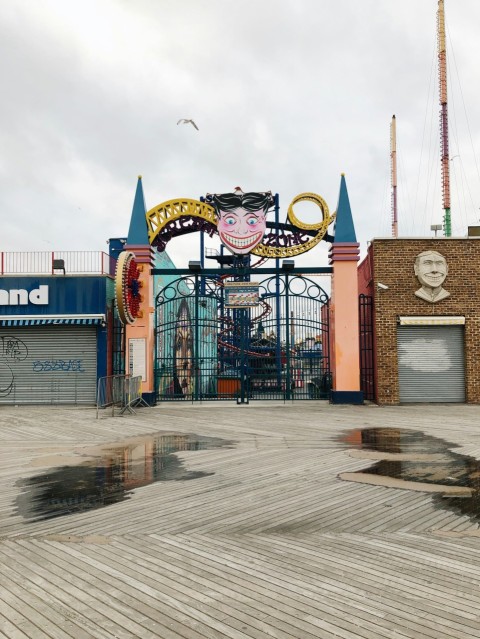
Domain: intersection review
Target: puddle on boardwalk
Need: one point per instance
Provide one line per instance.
(416, 461)
(110, 474)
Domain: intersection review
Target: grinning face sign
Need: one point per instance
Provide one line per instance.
(241, 218)
(241, 230)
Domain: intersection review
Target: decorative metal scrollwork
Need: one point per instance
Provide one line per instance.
(298, 286)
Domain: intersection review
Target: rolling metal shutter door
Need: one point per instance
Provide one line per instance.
(431, 366)
(48, 365)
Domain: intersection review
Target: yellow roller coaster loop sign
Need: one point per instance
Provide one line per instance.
(172, 210)
(321, 228)
(161, 215)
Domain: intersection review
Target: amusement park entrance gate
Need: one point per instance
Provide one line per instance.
(221, 336)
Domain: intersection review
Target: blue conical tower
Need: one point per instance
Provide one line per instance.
(344, 229)
(138, 231)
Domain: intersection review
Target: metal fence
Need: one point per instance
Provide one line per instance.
(56, 262)
(119, 391)
(367, 350)
(277, 349)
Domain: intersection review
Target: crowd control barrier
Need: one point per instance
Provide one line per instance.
(119, 391)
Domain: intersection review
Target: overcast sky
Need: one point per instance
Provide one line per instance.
(287, 94)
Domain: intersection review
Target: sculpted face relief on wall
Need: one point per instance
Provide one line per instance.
(431, 270)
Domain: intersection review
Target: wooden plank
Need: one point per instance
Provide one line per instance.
(303, 575)
(272, 544)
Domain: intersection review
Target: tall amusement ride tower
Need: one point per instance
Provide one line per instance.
(445, 159)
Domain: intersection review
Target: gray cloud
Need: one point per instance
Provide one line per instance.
(287, 96)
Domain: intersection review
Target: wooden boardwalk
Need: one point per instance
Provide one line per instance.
(258, 539)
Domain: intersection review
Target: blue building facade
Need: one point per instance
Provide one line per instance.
(54, 342)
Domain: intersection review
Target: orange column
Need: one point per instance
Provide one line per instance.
(139, 337)
(344, 324)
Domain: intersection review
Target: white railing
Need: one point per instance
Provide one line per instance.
(56, 263)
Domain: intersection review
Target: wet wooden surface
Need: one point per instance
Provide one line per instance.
(269, 542)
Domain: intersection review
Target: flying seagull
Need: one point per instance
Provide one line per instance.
(185, 121)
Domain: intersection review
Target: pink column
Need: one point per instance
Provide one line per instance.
(344, 324)
(143, 328)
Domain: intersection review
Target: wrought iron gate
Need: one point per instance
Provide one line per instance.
(118, 346)
(276, 349)
(367, 351)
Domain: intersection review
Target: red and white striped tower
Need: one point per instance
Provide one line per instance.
(393, 166)
(445, 160)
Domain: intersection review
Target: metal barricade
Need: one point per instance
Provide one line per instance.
(110, 392)
(121, 391)
(132, 395)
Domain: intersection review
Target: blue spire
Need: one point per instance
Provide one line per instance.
(138, 231)
(344, 230)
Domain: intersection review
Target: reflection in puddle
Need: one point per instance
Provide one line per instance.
(427, 462)
(110, 476)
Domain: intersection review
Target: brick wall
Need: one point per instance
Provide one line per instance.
(393, 262)
(365, 275)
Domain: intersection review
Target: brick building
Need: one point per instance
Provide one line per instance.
(423, 351)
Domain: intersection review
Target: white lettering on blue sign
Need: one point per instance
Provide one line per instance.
(21, 297)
